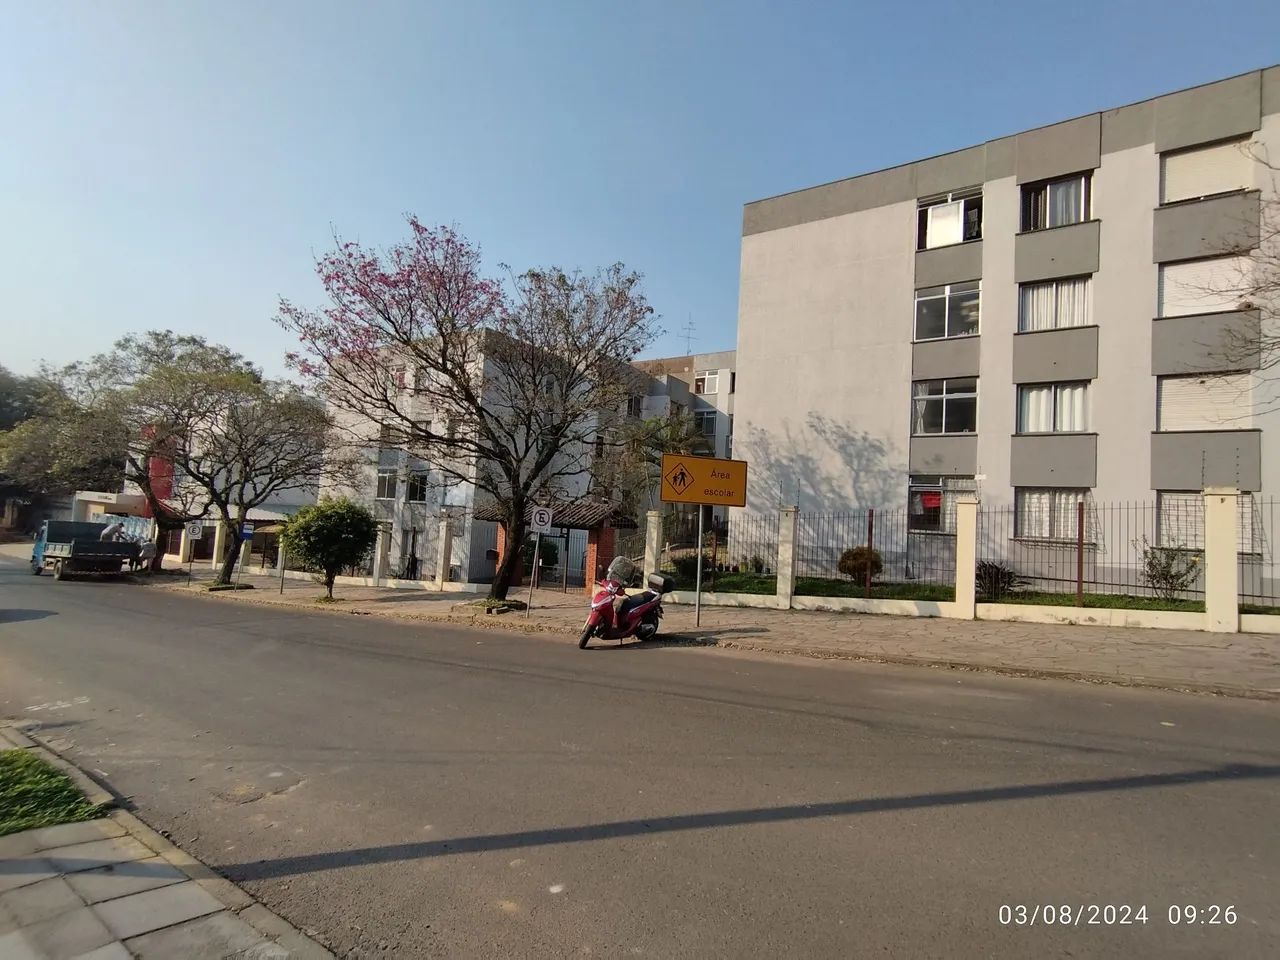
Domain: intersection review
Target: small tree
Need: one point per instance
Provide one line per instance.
(1170, 571)
(329, 536)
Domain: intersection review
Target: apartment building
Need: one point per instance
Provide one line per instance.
(1047, 318)
(702, 385)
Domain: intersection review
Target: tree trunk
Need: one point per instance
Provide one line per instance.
(515, 545)
(162, 538)
(233, 549)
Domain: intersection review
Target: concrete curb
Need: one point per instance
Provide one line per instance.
(236, 900)
(482, 621)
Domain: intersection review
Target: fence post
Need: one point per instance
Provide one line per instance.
(652, 540)
(871, 529)
(381, 552)
(219, 544)
(1221, 571)
(444, 553)
(966, 556)
(1079, 553)
(786, 565)
(186, 546)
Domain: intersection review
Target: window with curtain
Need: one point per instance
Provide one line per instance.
(1053, 408)
(1057, 203)
(931, 502)
(1054, 304)
(949, 218)
(1180, 521)
(944, 406)
(1051, 514)
(947, 311)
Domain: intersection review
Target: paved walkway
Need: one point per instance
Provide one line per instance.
(1235, 664)
(113, 889)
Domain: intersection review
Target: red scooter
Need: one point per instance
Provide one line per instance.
(637, 616)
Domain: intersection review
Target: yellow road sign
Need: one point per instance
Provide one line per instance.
(704, 480)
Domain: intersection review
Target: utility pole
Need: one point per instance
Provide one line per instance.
(687, 332)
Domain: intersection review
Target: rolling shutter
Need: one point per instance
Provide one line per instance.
(1204, 171)
(1203, 286)
(1219, 402)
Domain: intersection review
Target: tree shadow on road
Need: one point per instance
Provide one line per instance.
(17, 616)
(399, 852)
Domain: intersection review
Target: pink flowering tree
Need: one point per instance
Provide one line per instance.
(507, 387)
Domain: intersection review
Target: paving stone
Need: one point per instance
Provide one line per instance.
(144, 912)
(36, 902)
(14, 946)
(73, 833)
(219, 936)
(66, 935)
(124, 879)
(112, 951)
(90, 856)
(21, 871)
(18, 844)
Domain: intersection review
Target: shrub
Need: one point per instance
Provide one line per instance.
(859, 562)
(549, 552)
(330, 535)
(1169, 571)
(995, 581)
(757, 563)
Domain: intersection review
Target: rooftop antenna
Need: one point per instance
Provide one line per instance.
(687, 332)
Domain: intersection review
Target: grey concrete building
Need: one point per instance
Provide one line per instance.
(1054, 316)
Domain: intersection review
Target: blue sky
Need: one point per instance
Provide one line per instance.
(179, 164)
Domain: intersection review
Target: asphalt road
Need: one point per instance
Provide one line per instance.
(408, 790)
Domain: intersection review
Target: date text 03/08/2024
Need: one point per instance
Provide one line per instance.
(1114, 914)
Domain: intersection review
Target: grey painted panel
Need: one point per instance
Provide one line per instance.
(1058, 252)
(1055, 356)
(1054, 460)
(953, 264)
(934, 359)
(1063, 148)
(831, 200)
(1127, 127)
(951, 171)
(944, 456)
(1206, 228)
(1215, 458)
(1215, 111)
(1001, 158)
(1206, 343)
(1270, 91)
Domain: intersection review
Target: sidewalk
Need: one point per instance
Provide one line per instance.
(1246, 665)
(113, 889)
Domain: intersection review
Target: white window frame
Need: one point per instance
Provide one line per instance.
(948, 291)
(948, 489)
(943, 398)
(1044, 208)
(701, 418)
(927, 207)
(384, 474)
(1055, 515)
(1056, 412)
(1057, 286)
(707, 383)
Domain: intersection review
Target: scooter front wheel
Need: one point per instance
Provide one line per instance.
(587, 632)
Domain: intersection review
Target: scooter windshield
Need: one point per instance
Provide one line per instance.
(622, 570)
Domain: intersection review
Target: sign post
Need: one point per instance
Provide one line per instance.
(194, 531)
(703, 481)
(539, 523)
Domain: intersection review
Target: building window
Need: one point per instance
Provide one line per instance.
(1056, 203)
(931, 502)
(705, 421)
(733, 381)
(387, 482)
(1180, 521)
(1220, 401)
(1206, 171)
(948, 311)
(1054, 305)
(728, 443)
(1206, 286)
(944, 406)
(949, 218)
(708, 382)
(635, 406)
(416, 488)
(1050, 514)
(1053, 408)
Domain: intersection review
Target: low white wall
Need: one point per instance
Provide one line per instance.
(760, 601)
(898, 608)
(1259, 623)
(1091, 616)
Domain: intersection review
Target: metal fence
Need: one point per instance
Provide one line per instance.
(1087, 550)
(1259, 579)
(910, 562)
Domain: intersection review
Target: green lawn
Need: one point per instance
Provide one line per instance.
(1112, 601)
(34, 794)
